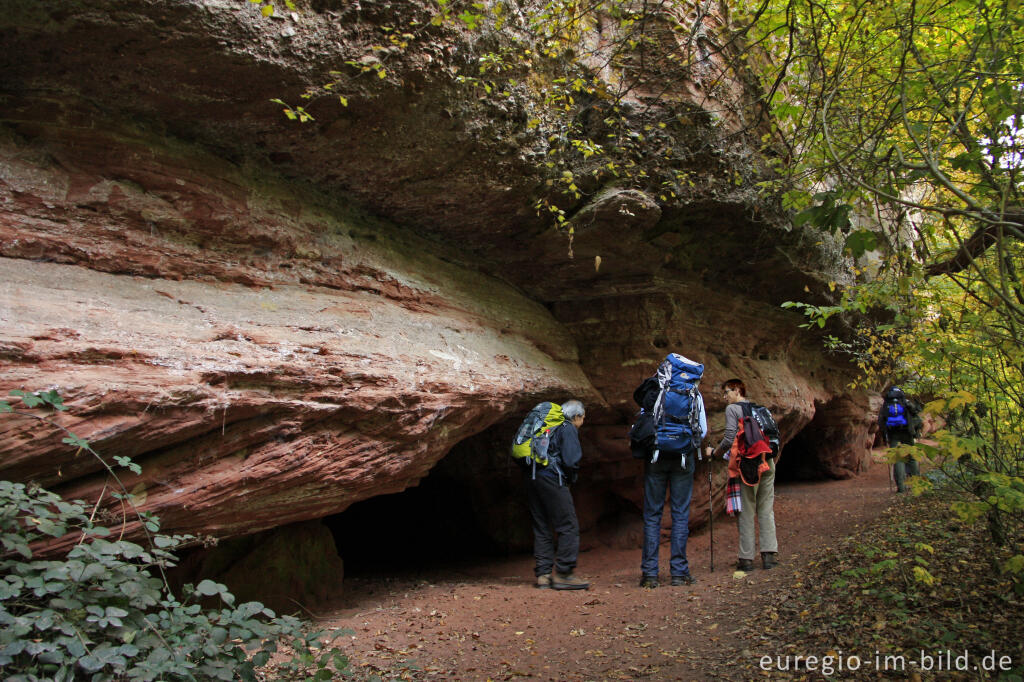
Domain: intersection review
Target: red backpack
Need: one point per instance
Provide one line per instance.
(750, 447)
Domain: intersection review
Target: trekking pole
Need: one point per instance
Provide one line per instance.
(886, 441)
(711, 513)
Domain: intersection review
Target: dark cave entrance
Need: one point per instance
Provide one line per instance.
(800, 459)
(421, 527)
(834, 444)
(466, 509)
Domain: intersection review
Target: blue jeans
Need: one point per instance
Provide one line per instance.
(667, 475)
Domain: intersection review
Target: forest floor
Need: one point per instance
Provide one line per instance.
(486, 621)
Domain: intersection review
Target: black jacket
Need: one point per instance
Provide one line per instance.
(566, 451)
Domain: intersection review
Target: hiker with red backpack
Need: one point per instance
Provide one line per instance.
(752, 460)
(899, 422)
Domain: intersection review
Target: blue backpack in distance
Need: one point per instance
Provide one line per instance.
(896, 415)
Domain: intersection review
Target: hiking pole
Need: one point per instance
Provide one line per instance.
(711, 513)
(886, 440)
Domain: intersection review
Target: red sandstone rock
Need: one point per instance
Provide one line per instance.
(270, 353)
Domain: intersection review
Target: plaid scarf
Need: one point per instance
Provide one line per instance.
(733, 504)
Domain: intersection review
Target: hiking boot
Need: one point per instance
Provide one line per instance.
(768, 560)
(568, 581)
(543, 582)
(684, 579)
(649, 582)
(745, 565)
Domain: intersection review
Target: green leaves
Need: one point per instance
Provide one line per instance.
(209, 588)
(105, 616)
(830, 214)
(75, 441)
(922, 575)
(127, 463)
(818, 314)
(295, 113)
(99, 610)
(1014, 565)
(38, 399)
(267, 10)
(107, 657)
(861, 241)
(470, 19)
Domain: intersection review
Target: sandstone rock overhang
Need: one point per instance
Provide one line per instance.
(276, 320)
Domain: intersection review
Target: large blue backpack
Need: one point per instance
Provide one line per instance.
(896, 415)
(677, 410)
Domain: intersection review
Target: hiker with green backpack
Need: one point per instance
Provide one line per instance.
(547, 446)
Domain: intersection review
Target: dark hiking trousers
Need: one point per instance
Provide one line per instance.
(553, 513)
(907, 466)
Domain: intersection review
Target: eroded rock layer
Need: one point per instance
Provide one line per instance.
(276, 321)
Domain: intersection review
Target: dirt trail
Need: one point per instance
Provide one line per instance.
(486, 621)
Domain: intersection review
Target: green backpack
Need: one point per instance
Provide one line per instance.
(534, 435)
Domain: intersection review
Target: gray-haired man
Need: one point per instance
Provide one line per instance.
(551, 505)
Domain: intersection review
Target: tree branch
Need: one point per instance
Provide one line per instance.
(985, 236)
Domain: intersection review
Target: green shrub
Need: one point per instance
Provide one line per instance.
(103, 610)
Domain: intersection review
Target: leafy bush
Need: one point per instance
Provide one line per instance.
(912, 583)
(960, 344)
(104, 611)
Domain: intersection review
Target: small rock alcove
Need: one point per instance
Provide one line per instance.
(800, 460)
(833, 445)
(432, 524)
(471, 507)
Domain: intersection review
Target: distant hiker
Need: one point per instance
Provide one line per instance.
(756, 485)
(669, 430)
(899, 423)
(547, 476)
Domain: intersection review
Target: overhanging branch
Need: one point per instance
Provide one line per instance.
(985, 236)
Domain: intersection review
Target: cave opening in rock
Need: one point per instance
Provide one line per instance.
(800, 459)
(428, 525)
(466, 509)
(830, 446)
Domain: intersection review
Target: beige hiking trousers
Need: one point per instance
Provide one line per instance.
(758, 502)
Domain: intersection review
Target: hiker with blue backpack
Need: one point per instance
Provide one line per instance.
(899, 422)
(667, 436)
(751, 442)
(548, 446)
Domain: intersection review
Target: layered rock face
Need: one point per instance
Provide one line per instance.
(277, 321)
(254, 388)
